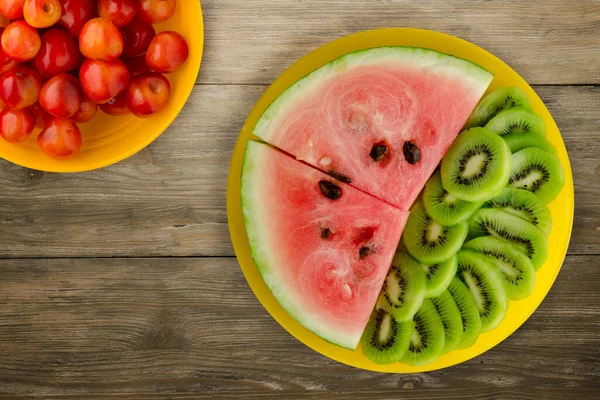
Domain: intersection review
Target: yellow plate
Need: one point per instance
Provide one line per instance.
(109, 139)
(561, 208)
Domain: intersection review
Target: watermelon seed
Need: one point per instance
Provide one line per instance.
(339, 177)
(411, 153)
(378, 152)
(325, 233)
(330, 190)
(363, 252)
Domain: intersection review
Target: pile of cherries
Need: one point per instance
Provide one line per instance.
(62, 59)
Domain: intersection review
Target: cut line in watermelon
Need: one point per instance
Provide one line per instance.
(322, 247)
(380, 119)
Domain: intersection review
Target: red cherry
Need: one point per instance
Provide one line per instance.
(16, 125)
(20, 41)
(137, 36)
(148, 94)
(167, 52)
(41, 116)
(59, 53)
(6, 63)
(154, 11)
(20, 87)
(136, 65)
(87, 111)
(100, 39)
(61, 96)
(103, 80)
(117, 105)
(60, 138)
(42, 13)
(76, 13)
(12, 9)
(121, 12)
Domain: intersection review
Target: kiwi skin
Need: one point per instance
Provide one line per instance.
(524, 205)
(519, 141)
(388, 348)
(517, 120)
(533, 161)
(496, 101)
(469, 313)
(443, 207)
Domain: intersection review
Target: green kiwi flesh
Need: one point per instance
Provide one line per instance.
(438, 276)
(537, 171)
(427, 338)
(385, 339)
(517, 120)
(524, 205)
(486, 286)
(498, 100)
(516, 270)
(471, 321)
(477, 165)
(428, 241)
(404, 288)
(519, 141)
(522, 235)
(443, 207)
(451, 319)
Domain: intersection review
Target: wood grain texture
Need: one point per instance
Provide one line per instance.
(190, 328)
(547, 41)
(169, 199)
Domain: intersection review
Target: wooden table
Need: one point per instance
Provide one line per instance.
(122, 283)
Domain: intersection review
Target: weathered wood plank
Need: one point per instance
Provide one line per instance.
(169, 200)
(547, 41)
(191, 328)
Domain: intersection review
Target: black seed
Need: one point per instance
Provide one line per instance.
(378, 152)
(411, 153)
(363, 252)
(339, 177)
(330, 190)
(325, 233)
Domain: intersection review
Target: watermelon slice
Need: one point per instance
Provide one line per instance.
(380, 119)
(322, 247)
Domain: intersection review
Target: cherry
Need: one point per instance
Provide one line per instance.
(87, 111)
(20, 87)
(16, 125)
(136, 65)
(12, 9)
(154, 11)
(61, 96)
(6, 63)
(167, 52)
(148, 94)
(42, 13)
(137, 36)
(121, 12)
(41, 116)
(100, 39)
(103, 80)
(20, 41)
(76, 13)
(117, 105)
(60, 138)
(59, 53)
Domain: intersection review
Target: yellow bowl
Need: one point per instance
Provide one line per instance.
(561, 208)
(109, 139)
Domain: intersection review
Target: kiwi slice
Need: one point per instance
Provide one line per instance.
(438, 276)
(476, 166)
(514, 267)
(524, 205)
(517, 120)
(471, 321)
(450, 315)
(428, 241)
(523, 236)
(519, 141)
(385, 339)
(486, 286)
(427, 338)
(404, 288)
(443, 207)
(537, 171)
(498, 100)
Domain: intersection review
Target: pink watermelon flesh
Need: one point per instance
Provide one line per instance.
(333, 118)
(324, 260)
